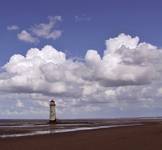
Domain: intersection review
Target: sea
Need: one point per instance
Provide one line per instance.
(18, 128)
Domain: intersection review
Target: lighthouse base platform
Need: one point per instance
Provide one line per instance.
(52, 121)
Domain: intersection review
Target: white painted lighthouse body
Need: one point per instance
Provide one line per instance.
(52, 117)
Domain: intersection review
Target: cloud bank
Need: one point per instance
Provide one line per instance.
(128, 72)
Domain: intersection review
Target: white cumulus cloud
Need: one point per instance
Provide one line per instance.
(47, 30)
(42, 31)
(128, 72)
(125, 62)
(19, 104)
(26, 37)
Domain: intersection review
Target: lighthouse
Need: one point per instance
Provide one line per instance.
(52, 116)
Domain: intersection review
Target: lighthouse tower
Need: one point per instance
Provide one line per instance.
(52, 116)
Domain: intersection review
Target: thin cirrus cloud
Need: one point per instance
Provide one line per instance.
(128, 72)
(82, 18)
(41, 31)
(13, 28)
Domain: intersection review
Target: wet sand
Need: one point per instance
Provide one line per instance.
(144, 137)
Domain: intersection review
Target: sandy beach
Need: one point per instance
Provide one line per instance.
(144, 137)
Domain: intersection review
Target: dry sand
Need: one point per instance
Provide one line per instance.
(145, 137)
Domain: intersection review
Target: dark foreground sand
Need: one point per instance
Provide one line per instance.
(146, 137)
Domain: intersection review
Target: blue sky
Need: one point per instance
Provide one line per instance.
(119, 75)
(107, 19)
